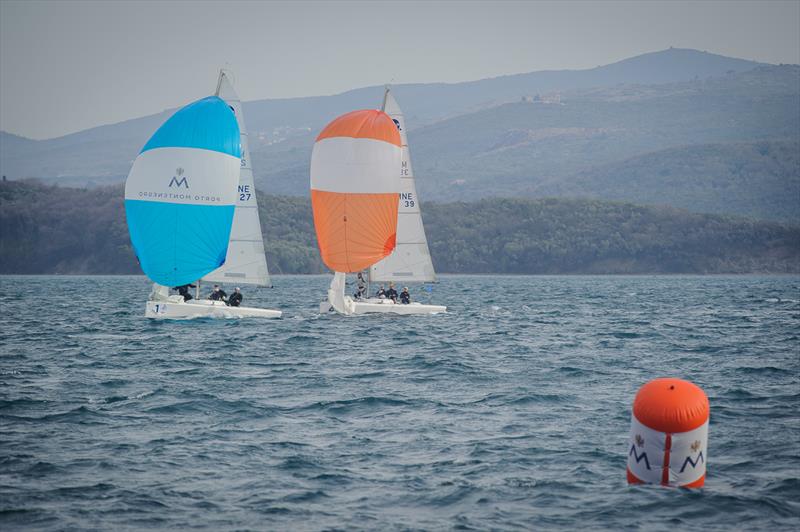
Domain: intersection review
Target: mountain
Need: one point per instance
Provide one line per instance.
(519, 145)
(15, 146)
(693, 130)
(47, 229)
(756, 179)
(428, 102)
(725, 145)
(105, 153)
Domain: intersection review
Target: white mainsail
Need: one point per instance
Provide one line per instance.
(245, 262)
(411, 259)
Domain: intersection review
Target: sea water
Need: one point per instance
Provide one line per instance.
(511, 411)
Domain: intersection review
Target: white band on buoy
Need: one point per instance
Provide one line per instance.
(676, 459)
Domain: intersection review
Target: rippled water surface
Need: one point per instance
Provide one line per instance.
(510, 412)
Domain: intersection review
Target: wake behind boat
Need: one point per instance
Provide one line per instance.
(202, 223)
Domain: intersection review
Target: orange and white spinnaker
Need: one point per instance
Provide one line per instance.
(355, 189)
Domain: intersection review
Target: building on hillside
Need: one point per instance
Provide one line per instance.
(546, 99)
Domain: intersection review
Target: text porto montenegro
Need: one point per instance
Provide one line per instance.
(180, 196)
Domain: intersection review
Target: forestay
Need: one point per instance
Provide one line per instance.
(245, 262)
(411, 259)
(181, 191)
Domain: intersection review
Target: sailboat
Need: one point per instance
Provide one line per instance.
(191, 209)
(355, 193)
(410, 262)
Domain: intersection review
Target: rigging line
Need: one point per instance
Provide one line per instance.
(344, 214)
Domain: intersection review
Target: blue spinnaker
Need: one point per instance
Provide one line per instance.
(181, 193)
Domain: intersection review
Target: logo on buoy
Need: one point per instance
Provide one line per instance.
(693, 462)
(639, 457)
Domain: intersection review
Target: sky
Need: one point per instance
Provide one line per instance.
(66, 66)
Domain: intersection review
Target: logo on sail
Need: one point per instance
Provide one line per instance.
(397, 123)
(178, 180)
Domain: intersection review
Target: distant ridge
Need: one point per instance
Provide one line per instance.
(674, 64)
(107, 151)
(10, 142)
(689, 129)
(758, 179)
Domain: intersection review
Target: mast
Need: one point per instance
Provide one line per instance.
(245, 261)
(219, 81)
(383, 109)
(385, 95)
(411, 260)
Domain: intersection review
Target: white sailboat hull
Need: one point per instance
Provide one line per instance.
(380, 306)
(176, 309)
(387, 306)
(348, 306)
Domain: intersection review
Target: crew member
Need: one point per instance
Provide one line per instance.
(405, 297)
(391, 293)
(381, 293)
(236, 298)
(218, 294)
(184, 291)
(361, 287)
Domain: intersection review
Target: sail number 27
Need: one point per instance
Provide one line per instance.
(244, 193)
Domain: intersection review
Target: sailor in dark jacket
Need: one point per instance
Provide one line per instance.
(361, 287)
(391, 293)
(184, 291)
(236, 298)
(218, 294)
(405, 297)
(381, 293)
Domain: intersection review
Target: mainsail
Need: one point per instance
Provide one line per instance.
(411, 260)
(354, 189)
(245, 262)
(181, 191)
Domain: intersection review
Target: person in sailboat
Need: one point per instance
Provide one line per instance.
(391, 293)
(381, 293)
(236, 298)
(361, 287)
(405, 297)
(184, 291)
(218, 294)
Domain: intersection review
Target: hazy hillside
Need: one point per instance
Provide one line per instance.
(107, 151)
(519, 145)
(757, 179)
(14, 144)
(44, 229)
(615, 143)
(591, 236)
(679, 127)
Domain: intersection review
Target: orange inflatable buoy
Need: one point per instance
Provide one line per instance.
(669, 434)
